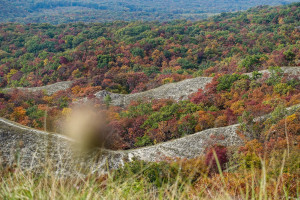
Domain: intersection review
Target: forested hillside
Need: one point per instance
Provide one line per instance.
(224, 91)
(58, 11)
(128, 57)
(123, 57)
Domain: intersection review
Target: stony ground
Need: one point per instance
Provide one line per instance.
(31, 148)
(178, 91)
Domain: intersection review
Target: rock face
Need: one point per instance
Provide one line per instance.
(291, 71)
(177, 91)
(49, 89)
(189, 146)
(33, 149)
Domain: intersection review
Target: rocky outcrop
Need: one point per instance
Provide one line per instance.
(291, 71)
(48, 89)
(33, 149)
(176, 91)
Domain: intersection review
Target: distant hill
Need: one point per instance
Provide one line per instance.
(58, 11)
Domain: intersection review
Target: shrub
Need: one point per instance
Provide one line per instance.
(226, 81)
(282, 88)
(216, 152)
(143, 141)
(193, 169)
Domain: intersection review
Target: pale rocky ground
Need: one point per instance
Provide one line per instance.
(177, 91)
(32, 148)
(291, 71)
(48, 89)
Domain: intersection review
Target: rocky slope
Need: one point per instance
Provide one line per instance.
(33, 149)
(177, 91)
(48, 89)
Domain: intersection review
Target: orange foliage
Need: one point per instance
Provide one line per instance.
(18, 114)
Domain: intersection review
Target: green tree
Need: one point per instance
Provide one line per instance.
(137, 52)
(103, 60)
(251, 62)
(226, 81)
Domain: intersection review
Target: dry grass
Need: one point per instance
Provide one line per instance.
(247, 184)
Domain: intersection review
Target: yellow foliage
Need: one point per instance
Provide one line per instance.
(76, 89)
(76, 73)
(125, 68)
(48, 99)
(35, 124)
(237, 107)
(167, 80)
(280, 20)
(221, 121)
(211, 24)
(226, 97)
(292, 117)
(113, 116)
(18, 114)
(66, 112)
(46, 61)
(205, 121)
(10, 74)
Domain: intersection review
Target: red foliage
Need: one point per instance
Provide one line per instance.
(135, 79)
(220, 154)
(63, 60)
(199, 97)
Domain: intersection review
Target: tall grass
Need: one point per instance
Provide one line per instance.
(133, 184)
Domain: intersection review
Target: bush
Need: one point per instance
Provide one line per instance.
(193, 169)
(226, 81)
(219, 152)
(143, 141)
(138, 52)
(251, 62)
(282, 88)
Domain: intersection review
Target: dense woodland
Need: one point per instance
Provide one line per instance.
(58, 11)
(130, 57)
